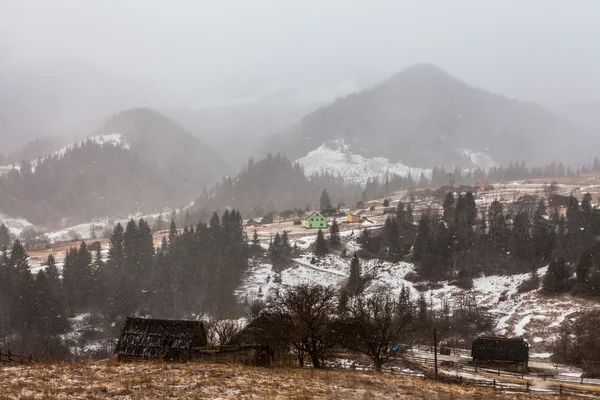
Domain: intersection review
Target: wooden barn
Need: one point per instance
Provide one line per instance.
(169, 340)
(497, 349)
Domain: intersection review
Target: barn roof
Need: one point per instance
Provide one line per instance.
(312, 215)
(152, 338)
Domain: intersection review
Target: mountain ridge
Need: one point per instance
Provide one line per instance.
(421, 114)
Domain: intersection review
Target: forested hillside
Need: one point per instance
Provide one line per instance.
(86, 181)
(423, 116)
(159, 141)
(158, 165)
(275, 184)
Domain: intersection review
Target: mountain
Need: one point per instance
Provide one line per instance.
(423, 117)
(61, 97)
(237, 128)
(139, 161)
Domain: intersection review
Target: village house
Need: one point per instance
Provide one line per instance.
(354, 218)
(315, 221)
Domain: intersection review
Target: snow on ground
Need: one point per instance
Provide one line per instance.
(479, 159)
(530, 315)
(335, 157)
(14, 225)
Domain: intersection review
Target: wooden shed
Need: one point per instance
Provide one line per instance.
(170, 340)
(511, 350)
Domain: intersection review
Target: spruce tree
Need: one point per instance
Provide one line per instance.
(286, 248)
(255, 241)
(325, 200)
(321, 244)
(4, 237)
(557, 277)
(354, 280)
(276, 249)
(334, 234)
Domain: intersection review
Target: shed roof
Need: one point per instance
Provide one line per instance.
(153, 338)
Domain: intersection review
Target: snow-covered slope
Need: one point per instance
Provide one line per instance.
(14, 225)
(531, 315)
(335, 157)
(478, 159)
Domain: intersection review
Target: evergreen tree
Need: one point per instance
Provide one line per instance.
(334, 234)
(255, 241)
(354, 280)
(4, 237)
(325, 200)
(321, 244)
(286, 248)
(448, 207)
(557, 277)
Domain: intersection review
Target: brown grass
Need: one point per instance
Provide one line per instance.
(108, 379)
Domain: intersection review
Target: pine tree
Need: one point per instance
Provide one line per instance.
(321, 244)
(557, 277)
(325, 200)
(448, 207)
(276, 249)
(354, 280)
(159, 223)
(255, 241)
(4, 237)
(334, 234)
(286, 248)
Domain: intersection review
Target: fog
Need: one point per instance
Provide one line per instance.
(209, 53)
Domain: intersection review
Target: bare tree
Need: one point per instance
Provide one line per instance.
(222, 331)
(373, 323)
(304, 315)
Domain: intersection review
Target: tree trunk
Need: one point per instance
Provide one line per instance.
(378, 363)
(315, 360)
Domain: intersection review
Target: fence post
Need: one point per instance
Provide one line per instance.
(560, 389)
(494, 384)
(582, 379)
(435, 352)
(528, 386)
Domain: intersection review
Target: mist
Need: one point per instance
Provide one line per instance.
(213, 54)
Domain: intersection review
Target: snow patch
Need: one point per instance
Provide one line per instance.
(15, 225)
(335, 158)
(479, 159)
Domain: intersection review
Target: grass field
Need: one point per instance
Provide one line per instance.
(109, 379)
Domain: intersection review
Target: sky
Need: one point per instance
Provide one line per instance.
(538, 50)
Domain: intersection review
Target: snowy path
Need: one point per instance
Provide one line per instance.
(309, 265)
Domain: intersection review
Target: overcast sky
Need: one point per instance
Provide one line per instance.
(544, 51)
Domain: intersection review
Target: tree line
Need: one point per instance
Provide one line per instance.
(193, 271)
(461, 241)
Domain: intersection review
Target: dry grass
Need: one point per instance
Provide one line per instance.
(109, 379)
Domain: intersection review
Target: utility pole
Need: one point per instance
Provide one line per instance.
(435, 352)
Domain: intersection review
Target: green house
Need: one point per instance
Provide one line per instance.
(314, 221)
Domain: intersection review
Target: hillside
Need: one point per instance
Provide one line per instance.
(161, 142)
(424, 117)
(208, 380)
(152, 163)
